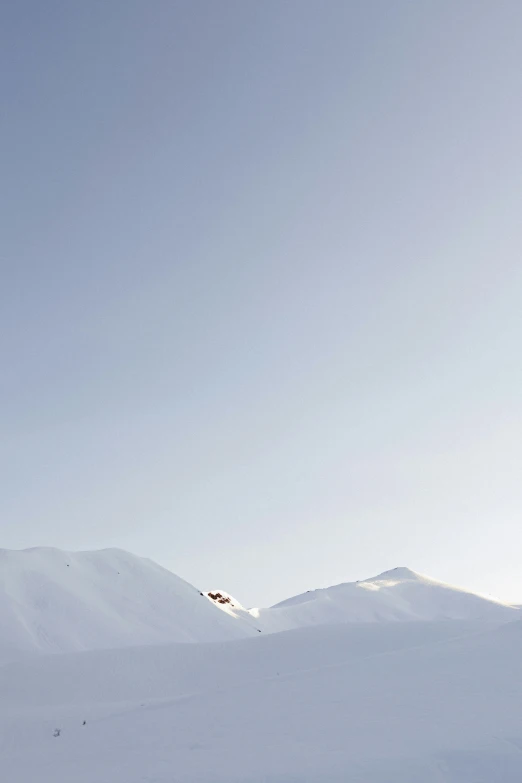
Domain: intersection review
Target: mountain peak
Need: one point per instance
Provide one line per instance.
(398, 574)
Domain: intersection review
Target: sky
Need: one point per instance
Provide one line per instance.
(261, 288)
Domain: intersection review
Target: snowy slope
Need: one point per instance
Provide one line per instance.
(54, 601)
(371, 703)
(170, 671)
(396, 595)
(345, 695)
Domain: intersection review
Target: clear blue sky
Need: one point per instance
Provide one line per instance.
(261, 290)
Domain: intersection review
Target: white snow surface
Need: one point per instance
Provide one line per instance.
(396, 595)
(365, 703)
(398, 679)
(55, 601)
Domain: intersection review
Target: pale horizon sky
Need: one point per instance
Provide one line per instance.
(260, 312)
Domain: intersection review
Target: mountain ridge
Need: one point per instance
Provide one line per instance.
(399, 594)
(53, 600)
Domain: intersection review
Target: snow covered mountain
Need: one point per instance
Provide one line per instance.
(397, 678)
(54, 601)
(396, 595)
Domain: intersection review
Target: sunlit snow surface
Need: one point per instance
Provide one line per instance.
(432, 701)
(397, 595)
